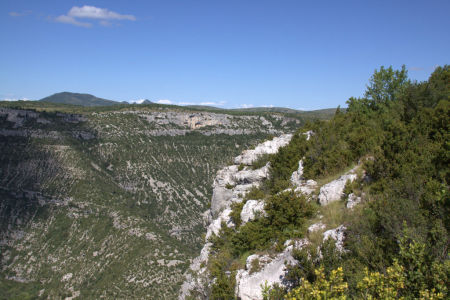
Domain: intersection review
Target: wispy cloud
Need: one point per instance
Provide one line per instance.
(20, 14)
(72, 20)
(104, 16)
(164, 101)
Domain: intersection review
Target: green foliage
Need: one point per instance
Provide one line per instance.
(274, 292)
(235, 215)
(400, 132)
(229, 186)
(286, 161)
(254, 266)
(223, 287)
(261, 161)
(285, 218)
(387, 85)
(254, 194)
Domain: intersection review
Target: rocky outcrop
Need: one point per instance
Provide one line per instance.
(231, 182)
(264, 269)
(230, 185)
(316, 227)
(302, 185)
(268, 147)
(247, 176)
(337, 234)
(297, 176)
(251, 210)
(216, 224)
(334, 190)
(352, 201)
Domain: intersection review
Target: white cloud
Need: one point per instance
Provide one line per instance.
(270, 105)
(139, 101)
(164, 101)
(104, 15)
(15, 99)
(246, 105)
(92, 12)
(71, 20)
(221, 103)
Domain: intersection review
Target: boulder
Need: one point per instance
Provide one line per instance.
(352, 200)
(334, 190)
(337, 234)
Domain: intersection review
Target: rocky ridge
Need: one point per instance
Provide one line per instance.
(230, 185)
(270, 268)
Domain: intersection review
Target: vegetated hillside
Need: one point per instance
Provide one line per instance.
(108, 201)
(357, 207)
(78, 99)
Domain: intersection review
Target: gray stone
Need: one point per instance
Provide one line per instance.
(336, 234)
(352, 201)
(334, 190)
(251, 209)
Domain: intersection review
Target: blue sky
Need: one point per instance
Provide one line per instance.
(298, 54)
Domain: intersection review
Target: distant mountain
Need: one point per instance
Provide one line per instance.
(142, 101)
(78, 99)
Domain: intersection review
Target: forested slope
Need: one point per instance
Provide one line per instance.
(357, 206)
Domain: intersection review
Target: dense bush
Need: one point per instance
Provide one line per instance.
(401, 129)
(404, 128)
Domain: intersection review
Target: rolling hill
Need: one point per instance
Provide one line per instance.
(78, 99)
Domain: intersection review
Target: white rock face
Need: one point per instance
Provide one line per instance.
(352, 201)
(251, 209)
(215, 226)
(334, 190)
(230, 185)
(272, 271)
(251, 176)
(301, 185)
(249, 285)
(307, 187)
(297, 176)
(221, 193)
(316, 227)
(268, 147)
(336, 234)
(309, 134)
